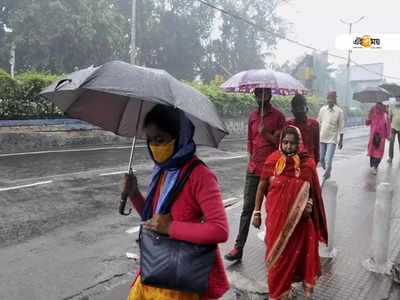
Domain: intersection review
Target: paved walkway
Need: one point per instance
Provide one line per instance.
(344, 277)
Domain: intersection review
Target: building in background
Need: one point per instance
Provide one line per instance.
(361, 76)
(369, 75)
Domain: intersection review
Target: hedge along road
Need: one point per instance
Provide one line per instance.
(64, 235)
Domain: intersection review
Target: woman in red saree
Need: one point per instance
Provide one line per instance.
(295, 217)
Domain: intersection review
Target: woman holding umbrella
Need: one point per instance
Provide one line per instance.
(182, 209)
(381, 129)
(197, 214)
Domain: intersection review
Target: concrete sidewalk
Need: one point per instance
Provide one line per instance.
(344, 277)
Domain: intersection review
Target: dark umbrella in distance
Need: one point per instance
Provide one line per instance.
(392, 88)
(371, 95)
(116, 96)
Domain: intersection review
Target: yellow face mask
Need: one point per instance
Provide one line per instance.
(163, 152)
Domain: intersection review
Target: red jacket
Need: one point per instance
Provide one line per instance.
(200, 196)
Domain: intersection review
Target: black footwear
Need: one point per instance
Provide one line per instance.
(235, 254)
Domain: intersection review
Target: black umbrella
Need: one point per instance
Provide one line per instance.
(116, 96)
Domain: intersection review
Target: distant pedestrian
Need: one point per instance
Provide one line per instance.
(309, 127)
(379, 121)
(197, 214)
(331, 122)
(395, 120)
(264, 127)
(296, 220)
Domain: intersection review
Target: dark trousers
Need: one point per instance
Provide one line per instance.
(392, 141)
(374, 162)
(249, 201)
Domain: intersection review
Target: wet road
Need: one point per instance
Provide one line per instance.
(60, 234)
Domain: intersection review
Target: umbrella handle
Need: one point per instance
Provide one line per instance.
(122, 204)
(124, 196)
(262, 105)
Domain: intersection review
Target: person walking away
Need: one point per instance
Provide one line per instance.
(395, 121)
(309, 127)
(380, 130)
(331, 122)
(197, 214)
(264, 126)
(296, 220)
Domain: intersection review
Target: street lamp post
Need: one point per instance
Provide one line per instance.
(347, 100)
(133, 33)
(12, 59)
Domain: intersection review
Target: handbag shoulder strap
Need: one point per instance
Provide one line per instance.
(177, 189)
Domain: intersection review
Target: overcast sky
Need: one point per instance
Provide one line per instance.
(317, 23)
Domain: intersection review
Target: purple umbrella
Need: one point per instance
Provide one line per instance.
(279, 83)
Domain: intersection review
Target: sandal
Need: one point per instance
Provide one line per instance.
(292, 294)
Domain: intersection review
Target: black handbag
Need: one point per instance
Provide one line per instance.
(376, 140)
(175, 264)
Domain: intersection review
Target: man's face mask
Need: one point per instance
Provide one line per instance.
(163, 152)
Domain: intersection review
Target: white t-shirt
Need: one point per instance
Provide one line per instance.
(331, 124)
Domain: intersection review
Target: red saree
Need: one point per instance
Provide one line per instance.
(292, 241)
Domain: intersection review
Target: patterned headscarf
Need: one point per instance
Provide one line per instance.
(184, 151)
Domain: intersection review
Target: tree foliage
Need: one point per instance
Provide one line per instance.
(19, 96)
(19, 99)
(185, 37)
(56, 36)
(240, 45)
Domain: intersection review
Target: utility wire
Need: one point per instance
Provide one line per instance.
(260, 28)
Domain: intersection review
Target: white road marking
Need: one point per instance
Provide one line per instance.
(115, 173)
(133, 230)
(234, 206)
(71, 150)
(229, 200)
(131, 255)
(25, 186)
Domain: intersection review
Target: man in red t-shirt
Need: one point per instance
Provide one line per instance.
(264, 128)
(309, 127)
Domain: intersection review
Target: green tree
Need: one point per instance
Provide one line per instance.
(320, 80)
(56, 36)
(177, 35)
(323, 75)
(170, 34)
(241, 46)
